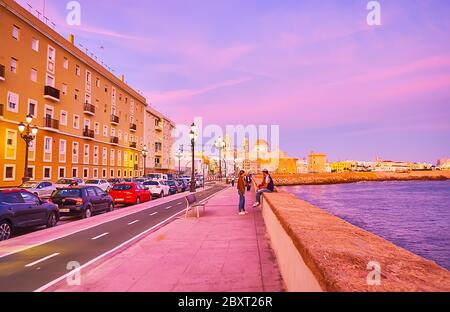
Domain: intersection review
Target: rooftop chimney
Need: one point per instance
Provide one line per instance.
(122, 78)
(71, 38)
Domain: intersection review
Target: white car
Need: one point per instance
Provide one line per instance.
(66, 182)
(157, 188)
(42, 189)
(103, 184)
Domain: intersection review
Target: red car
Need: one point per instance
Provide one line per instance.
(130, 193)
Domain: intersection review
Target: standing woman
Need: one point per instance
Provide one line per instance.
(241, 192)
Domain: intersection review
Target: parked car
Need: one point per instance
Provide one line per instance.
(103, 184)
(130, 193)
(43, 189)
(115, 181)
(174, 187)
(140, 180)
(183, 184)
(21, 209)
(65, 182)
(83, 201)
(157, 188)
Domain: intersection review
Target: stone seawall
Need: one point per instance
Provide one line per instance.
(317, 251)
(352, 177)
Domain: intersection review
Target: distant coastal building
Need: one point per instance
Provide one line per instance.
(302, 166)
(444, 164)
(341, 166)
(317, 163)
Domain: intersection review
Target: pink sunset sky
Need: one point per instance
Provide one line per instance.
(315, 68)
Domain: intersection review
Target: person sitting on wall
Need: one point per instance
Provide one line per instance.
(267, 186)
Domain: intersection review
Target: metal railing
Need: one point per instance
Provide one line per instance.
(51, 93)
(89, 108)
(51, 123)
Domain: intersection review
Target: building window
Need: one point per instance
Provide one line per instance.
(50, 81)
(64, 89)
(104, 173)
(66, 63)
(97, 128)
(76, 94)
(125, 173)
(97, 83)
(16, 32)
(33, 75)
(9, 173)
(75, 147)
(96, 155)
(105, 131)
(11, 144)
(47, 173)
(85, 173)
(77, 70)
(62, 150)
(14, 65)
(31, 173)
(86, 154)
(13, 102)
(76, 121)
(48, 144)
(118, 173)
(111, 157)
(35, 44)
(74, 172)
(32, 108)
(104, 156)
(95, 173)
(61, 172)
(63, 118)
(112, 173)
(119, 158)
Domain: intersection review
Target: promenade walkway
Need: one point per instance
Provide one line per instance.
(221, 251)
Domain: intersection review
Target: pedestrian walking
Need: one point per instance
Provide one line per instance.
(232, 181)
(248, 182)
(267, 186)
(241, 192)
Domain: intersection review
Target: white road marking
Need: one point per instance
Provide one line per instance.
(168, 207)
(135, 221)
(179, 203)
(152, 214)
(41, 260)
(61, 278)
(100, 236)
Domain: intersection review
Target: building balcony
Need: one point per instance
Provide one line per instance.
(51, 124)
(114, 140)
(115, 120)
(89, 109)
(158, 166)
(88, 134)
(51, 93)
(1, 110)
(158, 128)
(2, 72)
(158, 152)
(133, 127)
(133, 144)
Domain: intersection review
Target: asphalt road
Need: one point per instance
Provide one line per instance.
(33, 268)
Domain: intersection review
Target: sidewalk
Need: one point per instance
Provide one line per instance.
(221, 251)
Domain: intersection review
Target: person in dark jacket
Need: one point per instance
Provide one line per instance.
(267, 186)
(248, 182)
(241, 192)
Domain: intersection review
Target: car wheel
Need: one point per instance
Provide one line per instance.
(5, 230)
(87, 213)
(110, 207)
(138, 201)
(161, 195)
(52, 220)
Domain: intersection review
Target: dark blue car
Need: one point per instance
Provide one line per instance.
(22, 209)
(82, 201)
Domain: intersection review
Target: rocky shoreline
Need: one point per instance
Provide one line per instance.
(354, 177)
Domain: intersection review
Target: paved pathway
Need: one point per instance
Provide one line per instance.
(221, 251)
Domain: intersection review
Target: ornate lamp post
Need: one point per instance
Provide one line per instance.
(28, 134)
(220, 144)
(179, 155)
(144, 153)
(193, 135)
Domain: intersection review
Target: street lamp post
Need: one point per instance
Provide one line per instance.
(193, 135)
(179, 154)
(28, 134)
(220, 144)
(145, 154)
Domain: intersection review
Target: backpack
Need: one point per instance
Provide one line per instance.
(271, 186)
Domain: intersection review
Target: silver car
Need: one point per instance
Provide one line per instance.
(43, 189)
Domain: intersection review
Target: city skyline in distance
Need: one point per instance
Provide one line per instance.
(332, 83)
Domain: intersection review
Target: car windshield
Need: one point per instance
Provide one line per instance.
(29, 185)
(151, 183)
(92, 182)
(171, 183)
(67, 193)
(64, 181)
(121, 187)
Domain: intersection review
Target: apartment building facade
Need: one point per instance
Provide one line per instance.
(91, 123)
(159, 140)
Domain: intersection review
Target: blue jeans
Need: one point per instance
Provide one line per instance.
(259, 193)
(241, 202)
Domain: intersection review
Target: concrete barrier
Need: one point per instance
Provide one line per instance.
(317, 251)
